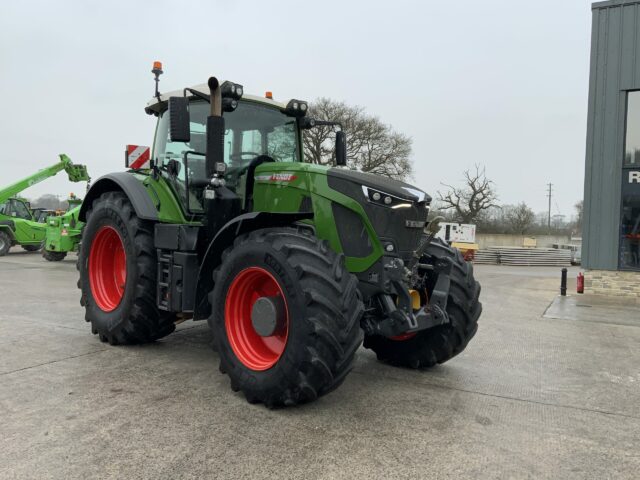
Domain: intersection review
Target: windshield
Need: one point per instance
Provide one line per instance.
(251, 130)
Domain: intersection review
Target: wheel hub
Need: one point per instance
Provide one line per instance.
(267, 315)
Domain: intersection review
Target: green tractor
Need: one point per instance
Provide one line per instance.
(19, 225)
(63, 232)
(292, 264)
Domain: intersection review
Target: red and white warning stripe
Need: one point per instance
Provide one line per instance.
(138, 157)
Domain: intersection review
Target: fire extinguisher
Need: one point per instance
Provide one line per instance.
(580, 283)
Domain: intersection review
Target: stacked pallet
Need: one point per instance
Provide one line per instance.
(520, 256)
(486, 257)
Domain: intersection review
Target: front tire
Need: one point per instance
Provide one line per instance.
(5, 243)
(117, 266)
(438, 344)
(51, 256)
(311, 347)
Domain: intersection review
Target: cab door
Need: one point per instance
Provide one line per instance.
(27, 230)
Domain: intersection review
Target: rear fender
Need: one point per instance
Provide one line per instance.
(224, 238)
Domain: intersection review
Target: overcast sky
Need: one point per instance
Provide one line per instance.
(499, 83)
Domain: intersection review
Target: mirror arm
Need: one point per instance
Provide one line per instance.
(329, 123)
(196, 93)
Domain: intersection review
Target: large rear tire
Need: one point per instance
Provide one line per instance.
(311, 346)
(5, 243)
(51, 256)
(439, 344)
(118, 267)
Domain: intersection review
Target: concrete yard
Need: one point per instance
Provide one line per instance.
(531, 397)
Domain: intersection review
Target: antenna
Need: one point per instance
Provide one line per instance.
(550, 185)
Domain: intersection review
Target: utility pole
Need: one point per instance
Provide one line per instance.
(550, 185)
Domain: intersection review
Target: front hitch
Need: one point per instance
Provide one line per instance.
(399, 316)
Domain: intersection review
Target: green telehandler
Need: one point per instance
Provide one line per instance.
(18, 225)
(292, 264)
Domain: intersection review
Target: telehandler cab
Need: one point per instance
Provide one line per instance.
(293, 264)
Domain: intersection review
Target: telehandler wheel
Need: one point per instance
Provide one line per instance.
(285, 317)
(441, 343)
(53, 256)
(31, 248)
(117, 266)
(5, 243)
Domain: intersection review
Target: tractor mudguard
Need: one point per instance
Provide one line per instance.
(132, 188)
(8, 227)
(224, 238)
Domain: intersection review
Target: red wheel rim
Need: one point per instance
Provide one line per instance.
(255, 352)
(107, 268)
(403, 337)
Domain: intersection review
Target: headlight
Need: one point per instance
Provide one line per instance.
(384, 199)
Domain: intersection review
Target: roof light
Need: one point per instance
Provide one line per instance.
(268, 95)
(296, 108)
(231, 90)
(157, 68)
(307, 123)
(229, 104)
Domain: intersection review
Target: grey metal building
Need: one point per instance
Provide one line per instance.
(611, 228)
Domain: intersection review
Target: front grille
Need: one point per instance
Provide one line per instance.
(392, 224)
(389, 223)
(353, 235)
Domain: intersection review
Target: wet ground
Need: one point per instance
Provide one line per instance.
(531, 397)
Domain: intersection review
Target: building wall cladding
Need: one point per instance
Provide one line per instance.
(607, 282)
(615, 68)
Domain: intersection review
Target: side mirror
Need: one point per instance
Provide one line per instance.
(341, 149)
(179, 119)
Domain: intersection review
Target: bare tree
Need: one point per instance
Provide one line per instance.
(48, 201)
(579, 206)
(520, 218)
(470, 201)
(372, 146)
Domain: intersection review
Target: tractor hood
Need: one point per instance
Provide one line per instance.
(393, 187)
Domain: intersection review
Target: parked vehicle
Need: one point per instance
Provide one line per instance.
(291, 263)
(17, 223)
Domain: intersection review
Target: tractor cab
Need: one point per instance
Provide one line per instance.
(256, 130)
(40, 215)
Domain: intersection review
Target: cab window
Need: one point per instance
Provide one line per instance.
(250, 131)
(18, 209)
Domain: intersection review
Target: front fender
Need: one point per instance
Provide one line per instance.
(224, 238)
(132, 188)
